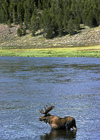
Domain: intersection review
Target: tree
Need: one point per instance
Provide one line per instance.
(71, 29)
(53, 13)
(73, 7)
(79, 9)
(21, 24)
(33, 25)
(47, 26)
(39, 4)
(66, 18)
(45, 4)
(27, 18)
(84, 16)
(2, 16)
(89, 19)
(59, 18)
(76, 23)
(14, 16)
(5, 10)
(97, 14)
(20, 11)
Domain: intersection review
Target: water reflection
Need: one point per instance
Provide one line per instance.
(59, 134)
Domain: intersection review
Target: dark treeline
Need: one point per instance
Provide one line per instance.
(55, 17)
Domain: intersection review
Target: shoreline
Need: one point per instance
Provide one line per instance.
(93, 51)
(86, 43)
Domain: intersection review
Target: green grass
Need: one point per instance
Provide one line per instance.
(93, 51)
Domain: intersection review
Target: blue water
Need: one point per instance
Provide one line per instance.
(72, 85)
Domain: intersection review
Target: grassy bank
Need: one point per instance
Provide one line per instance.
(38, 46)
(93, 51)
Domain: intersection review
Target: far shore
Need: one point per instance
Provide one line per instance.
(91, 51)
(86, 43)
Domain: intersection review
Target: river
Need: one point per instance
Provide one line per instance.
(72, 85)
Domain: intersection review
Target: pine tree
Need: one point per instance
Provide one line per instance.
(52, 13)
(71, 29)
(45, 4)
(59, 18)
(76, 23)
(66, 18)
(89, 19)
(27, 18)
(84, 16)
(47, 26)
(32, 25)
(35, 19)
(20, 12)
(98, 14)
(14, 16)
(2, 16)
(32, 7)
(10, 9)
(39, 5)
(95, 9)
(21, 24)
(73, 7)
(5, 10)
(79, 9)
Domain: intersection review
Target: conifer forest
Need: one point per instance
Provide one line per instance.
(54, 17)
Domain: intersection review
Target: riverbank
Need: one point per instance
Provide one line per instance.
(86, 43)
(53, 52)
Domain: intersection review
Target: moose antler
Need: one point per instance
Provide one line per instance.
(46, 110)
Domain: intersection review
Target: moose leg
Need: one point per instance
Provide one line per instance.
(74, 128)
(71, 124)
(68, 125)
(74, 125)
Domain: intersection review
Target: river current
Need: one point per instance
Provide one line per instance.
(72, 85)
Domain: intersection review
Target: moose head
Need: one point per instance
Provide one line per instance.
(57, 122)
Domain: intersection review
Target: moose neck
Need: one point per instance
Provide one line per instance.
(48, 119)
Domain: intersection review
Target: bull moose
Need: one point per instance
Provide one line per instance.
(57, 122)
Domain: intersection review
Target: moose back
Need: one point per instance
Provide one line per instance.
(57, 122)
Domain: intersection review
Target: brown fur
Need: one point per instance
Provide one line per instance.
(59, 123)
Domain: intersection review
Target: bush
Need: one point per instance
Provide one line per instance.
(9, 23)
(19, 32)
(10, 31)
(24, 31)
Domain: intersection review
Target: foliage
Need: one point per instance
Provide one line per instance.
(54, 16)
(9, 23)
(24, 31)
(19, 32)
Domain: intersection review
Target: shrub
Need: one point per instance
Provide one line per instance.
(24, 31)
(9, 23)
(19, 32)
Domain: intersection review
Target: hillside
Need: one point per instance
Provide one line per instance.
(54, 17)
(86, 37)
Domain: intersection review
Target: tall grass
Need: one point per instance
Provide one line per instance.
(93, 51)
